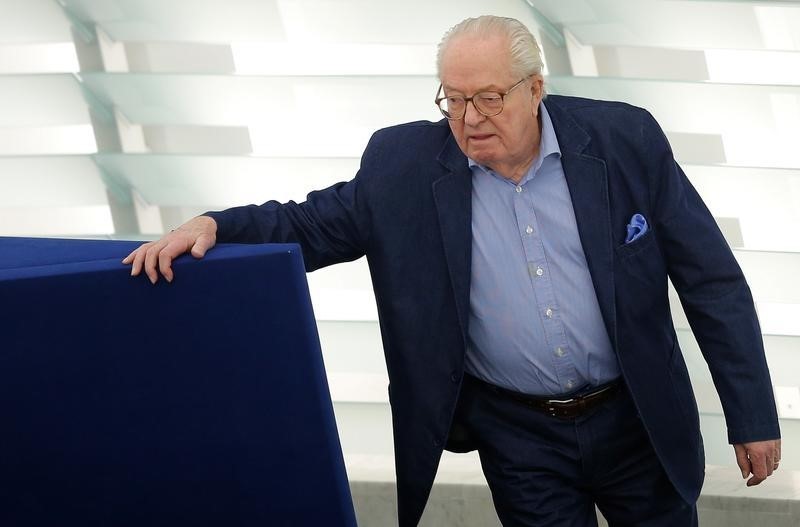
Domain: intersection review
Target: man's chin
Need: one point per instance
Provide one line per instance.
(482, 157)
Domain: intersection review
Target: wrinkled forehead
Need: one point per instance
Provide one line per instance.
(478, 62)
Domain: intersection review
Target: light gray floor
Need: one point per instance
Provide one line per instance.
(460, 497)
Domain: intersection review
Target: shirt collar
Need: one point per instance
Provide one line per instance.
(548, 145)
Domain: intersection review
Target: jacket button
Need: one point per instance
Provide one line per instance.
(454, 377)
(437, 442)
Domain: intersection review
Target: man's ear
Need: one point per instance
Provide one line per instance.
(537, 87)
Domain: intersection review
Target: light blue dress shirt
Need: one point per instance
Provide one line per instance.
(535, 324)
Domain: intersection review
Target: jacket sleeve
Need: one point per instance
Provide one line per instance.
(331, 226)
(714, 294)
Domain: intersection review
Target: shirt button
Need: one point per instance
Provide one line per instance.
(529, 229)
(539, 271)
(570, 384)
(518, 189)
(549, 313)
(560, 352)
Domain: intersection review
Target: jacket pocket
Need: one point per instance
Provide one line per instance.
(647, 240)
(641, 269)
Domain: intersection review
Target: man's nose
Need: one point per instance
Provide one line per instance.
(471, 114)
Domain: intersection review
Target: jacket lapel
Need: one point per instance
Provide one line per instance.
(453, 197)
(588, 186)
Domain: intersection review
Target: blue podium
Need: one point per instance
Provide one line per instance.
(201, 402)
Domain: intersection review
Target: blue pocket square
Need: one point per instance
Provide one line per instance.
(636, 228)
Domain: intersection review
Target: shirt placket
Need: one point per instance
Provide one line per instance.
(542, 285)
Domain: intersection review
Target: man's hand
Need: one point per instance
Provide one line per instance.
(759, 458)
(197, 236)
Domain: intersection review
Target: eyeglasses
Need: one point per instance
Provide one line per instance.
(488, 103)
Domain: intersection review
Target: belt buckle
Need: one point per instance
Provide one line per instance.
(552, 404)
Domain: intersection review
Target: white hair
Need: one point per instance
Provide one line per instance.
(526, 56)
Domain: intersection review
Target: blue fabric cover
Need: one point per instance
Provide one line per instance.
(201, 402)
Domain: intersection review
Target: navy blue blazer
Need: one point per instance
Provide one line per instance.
(409, 211)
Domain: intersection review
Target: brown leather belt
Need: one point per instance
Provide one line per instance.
(568, 407)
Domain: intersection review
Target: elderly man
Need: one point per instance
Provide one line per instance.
(519, 251)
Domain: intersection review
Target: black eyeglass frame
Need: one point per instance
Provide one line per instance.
(502, 95)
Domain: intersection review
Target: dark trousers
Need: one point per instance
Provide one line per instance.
(546, 471)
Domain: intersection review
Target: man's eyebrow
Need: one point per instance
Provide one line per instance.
(490, 87)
